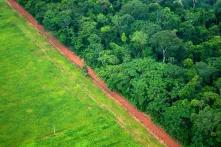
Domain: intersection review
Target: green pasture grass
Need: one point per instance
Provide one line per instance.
(45, 100)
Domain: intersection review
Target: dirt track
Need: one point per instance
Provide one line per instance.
(144, 119)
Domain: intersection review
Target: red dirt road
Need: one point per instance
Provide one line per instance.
(143, 118)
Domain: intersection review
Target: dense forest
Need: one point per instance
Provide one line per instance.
(163, 55)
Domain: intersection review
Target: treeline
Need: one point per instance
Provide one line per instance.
(164, 56)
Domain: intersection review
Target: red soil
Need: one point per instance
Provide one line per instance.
(143, 118)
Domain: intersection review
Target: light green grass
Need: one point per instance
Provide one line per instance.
(41, 93)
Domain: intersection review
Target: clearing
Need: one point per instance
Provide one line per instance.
(46, 100)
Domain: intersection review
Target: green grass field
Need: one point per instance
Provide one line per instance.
(46, 101)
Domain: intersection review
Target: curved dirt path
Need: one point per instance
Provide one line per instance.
(141, 117)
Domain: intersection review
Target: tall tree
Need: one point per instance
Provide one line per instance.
(140, 40)
(167, 44)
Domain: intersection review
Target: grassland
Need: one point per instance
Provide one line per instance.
(46, 101)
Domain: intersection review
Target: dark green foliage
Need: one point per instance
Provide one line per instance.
(177, 120)
(206, 127)
(164, 56)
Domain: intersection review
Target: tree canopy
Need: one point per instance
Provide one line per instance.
(164, 56)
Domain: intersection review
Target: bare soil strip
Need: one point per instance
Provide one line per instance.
(141, 117)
